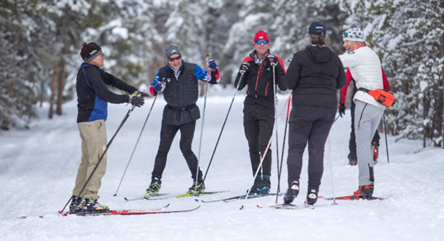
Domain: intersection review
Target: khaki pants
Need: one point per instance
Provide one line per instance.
(94, 139)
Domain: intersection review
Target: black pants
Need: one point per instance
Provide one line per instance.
(312, 125)
(258, 127)
(352, 142)
(167, 134)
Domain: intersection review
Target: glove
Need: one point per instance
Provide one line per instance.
(136, 101)
(341, 109)
(159, 87)
(272, 59)
(142, 94)
(212, 64)
(244, 67)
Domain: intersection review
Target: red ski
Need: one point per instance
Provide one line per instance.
(129, 212)
(352, 197)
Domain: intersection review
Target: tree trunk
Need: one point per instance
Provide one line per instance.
(53, 90)
(61, 86)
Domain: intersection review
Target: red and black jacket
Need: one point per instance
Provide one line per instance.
(259, 79)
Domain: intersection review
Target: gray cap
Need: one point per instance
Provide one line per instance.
(172, 49)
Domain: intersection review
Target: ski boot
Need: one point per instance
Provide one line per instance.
(365, 191)
(375, 147)
(255, 189)
(197, 188)
(76, 204)
(153, 188)
(292, 192)
(264, 185)
(92, 206)
(312, 195)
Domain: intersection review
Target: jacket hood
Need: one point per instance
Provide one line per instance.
(319, 55)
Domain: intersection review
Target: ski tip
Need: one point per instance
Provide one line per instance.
(126, 199)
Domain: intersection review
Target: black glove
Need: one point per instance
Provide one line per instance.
(136, 101)
(244, 67)
(341, 109)
(142, 94)
(272, 59)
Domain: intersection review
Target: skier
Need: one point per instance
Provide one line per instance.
(178, 81)
(315, 74)
(259, 106)
(353, 160)
(92, 98)
(365, 67)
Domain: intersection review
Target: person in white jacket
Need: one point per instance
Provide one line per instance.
(365, 68)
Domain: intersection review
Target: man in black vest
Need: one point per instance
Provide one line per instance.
(178, 81)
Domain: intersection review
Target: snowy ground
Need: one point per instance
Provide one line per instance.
(38, 168)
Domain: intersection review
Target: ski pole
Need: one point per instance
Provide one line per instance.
(223, 125)
(203, 120)
(331, 170)
(137, 142)
(101, 157)
(275, 124)
(283, 150)
(266, 148)
(385, 134)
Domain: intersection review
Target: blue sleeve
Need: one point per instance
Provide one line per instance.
(200, 73)
(156, 80)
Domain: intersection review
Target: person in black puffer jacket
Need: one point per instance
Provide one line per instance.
(257, 71)
(179, 83)
(315, 75)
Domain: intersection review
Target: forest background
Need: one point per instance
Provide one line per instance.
(40, 41)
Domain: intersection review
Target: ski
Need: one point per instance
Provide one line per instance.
(144, 198)
(68, 213)
(239, 197)
(161, 197)
(352, 197)
(281, 206)
(130, 212)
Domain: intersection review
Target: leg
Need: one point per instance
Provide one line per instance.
(94, 139)
(352, 143)
(186, 140)
(251, 129)
(266, 124)
(167, 134)
(367, 118)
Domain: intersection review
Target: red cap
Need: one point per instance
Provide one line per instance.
(261, 35)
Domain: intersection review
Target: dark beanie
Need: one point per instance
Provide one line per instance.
(90, 51)
(317, 28)
(172, 49)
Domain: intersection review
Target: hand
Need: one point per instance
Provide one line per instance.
(212, 64)
(137, 101)
(341, 109)
(272, 59)
(152, 91)
(244, 67)
(159, 87)
(140, 94)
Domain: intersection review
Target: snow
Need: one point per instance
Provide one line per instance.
(38, 168)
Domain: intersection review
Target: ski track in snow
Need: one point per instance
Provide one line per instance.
(38, 168)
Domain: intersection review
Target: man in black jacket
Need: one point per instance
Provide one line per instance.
(92, 97)
(315, 74)
(261, 71)
(178, 81)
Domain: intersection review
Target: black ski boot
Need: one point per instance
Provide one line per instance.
(264, 187)
(76, 204)
(153, 188)
(312, 195)
(292, 192)
(256, 188)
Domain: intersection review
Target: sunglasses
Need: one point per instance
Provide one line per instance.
(262, 41)
(177, 58)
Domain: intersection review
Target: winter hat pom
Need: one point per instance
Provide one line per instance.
(90, 51)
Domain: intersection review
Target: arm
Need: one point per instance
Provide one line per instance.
(280, 74)
(348, 78)
(97, 82)
(118, 83)
(350, 59)
(203, 75)
(385, 81)
(292, 76)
